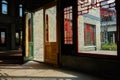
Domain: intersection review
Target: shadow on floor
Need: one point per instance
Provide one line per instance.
(39, 71)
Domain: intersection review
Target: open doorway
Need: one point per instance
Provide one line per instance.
(11, 43)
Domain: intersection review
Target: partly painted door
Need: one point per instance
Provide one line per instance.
(51, 44)
(29, 45)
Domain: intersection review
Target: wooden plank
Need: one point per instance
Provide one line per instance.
(26, 37)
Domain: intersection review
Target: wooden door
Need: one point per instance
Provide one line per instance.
(51, 44)
(29, 37)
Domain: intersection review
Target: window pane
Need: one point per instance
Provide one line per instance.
(2, 37)
(4, 8)
(17, 38)
(97, 27)
(20, 10)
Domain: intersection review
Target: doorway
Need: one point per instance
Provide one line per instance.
(10, 44)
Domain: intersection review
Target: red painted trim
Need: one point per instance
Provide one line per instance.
(86, 8)
(68, 26)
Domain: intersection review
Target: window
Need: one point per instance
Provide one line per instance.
(2, 38)
(17, 38)
(4, 7)
(97, 27)
(68, 39)
(89, 35)
(20, 10)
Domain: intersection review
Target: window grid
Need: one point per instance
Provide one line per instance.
(68, 25)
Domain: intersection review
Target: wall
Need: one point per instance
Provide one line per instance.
(9, 20)
(97, 66)
(92, 18)
(5, 19)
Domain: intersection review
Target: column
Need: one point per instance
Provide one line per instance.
(13, 36)
(113, 38)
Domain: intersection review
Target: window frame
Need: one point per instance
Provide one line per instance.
(101, 55)
(68, 25)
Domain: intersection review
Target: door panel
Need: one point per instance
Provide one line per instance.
(51, 51)
(51, 44)
(29, 37)
(38, 36)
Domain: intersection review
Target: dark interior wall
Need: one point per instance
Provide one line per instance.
(5, 19)
(9, 22)
(103, 67)
(5, 23)
(4, 27)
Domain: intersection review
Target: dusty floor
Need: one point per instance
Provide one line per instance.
(38, 71)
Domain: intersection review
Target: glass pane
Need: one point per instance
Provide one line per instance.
(4, 8)
(97, 27)
(17, 38)
(2, 37)
(20, 10)
(68, 39)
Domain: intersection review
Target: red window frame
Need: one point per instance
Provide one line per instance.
(68, 31)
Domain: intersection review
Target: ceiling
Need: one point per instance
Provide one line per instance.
(32, 5)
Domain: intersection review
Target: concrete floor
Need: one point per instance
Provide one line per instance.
(39, 71)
